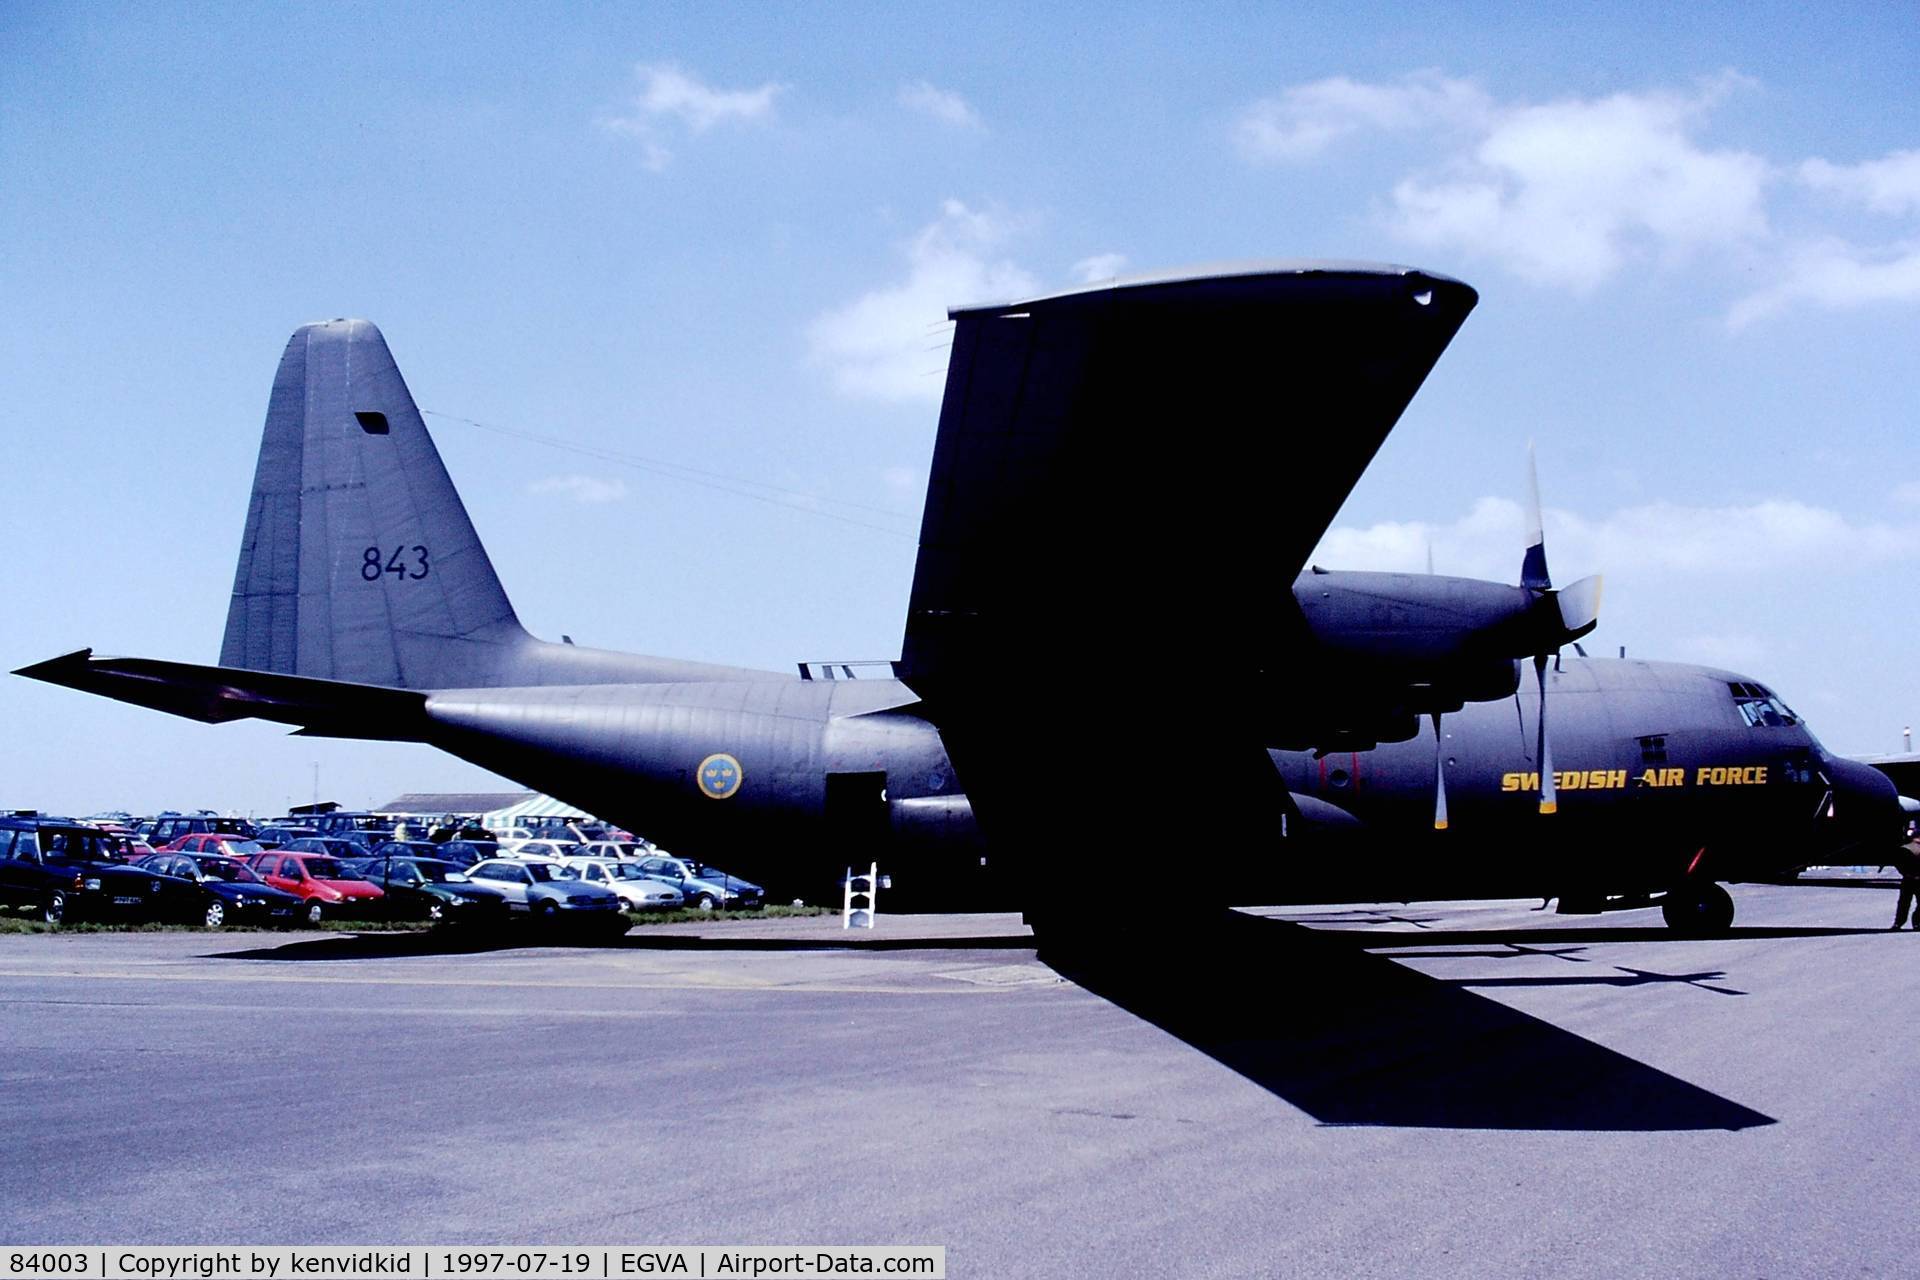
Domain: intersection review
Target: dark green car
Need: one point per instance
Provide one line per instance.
(429, 889)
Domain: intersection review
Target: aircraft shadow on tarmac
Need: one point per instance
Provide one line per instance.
(1353, 1038)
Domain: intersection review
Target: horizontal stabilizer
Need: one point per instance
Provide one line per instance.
(325, 708)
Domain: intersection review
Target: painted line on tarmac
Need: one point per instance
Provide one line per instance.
(365, 980)
(372, 1011)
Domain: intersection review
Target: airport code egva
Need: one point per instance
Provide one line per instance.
(603, 1262)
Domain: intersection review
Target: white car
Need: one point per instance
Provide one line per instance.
(555, 850)
(550, 890)
(618, 850)
(638, 890)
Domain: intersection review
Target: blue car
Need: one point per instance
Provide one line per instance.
(703, 886)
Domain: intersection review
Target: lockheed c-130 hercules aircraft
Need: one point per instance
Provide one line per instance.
(1108, 657)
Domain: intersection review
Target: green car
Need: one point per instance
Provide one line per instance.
(429, 889)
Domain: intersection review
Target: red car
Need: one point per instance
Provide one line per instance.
(321, 881)
(224, 843)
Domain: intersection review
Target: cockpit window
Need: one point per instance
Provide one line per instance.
(1759, 708)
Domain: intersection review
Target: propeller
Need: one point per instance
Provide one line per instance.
(1578, 611)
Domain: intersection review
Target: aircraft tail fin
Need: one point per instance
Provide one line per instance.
(359, 563)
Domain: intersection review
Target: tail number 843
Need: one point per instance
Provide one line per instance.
(405, 562)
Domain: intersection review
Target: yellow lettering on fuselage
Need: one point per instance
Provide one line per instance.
(1730, 775)
(1568, 780)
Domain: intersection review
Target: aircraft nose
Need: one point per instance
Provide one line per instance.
(1866, 804)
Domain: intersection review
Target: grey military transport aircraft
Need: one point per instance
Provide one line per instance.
(1109, 665)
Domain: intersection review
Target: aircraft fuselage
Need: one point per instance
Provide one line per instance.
(1654, 762)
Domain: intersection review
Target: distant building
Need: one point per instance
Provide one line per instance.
(437, 802)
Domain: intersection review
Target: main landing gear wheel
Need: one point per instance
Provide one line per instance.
(1698, 911)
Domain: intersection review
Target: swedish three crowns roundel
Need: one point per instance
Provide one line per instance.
(719, 776)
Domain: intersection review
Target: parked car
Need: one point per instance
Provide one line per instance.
(703, 886)
(279, 837)
(170, 826)
(362, 827)
(330, 846)
(549, 891)
(421, 888)
(402, 849)
(231, 846)
(639, 891)
(214, 890)
(65, 870)
(620, 849)
(128, 848)
(460, 831)
(464, 853)
(557, 850)
(321, 881)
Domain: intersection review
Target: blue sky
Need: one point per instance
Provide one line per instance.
(723, 239)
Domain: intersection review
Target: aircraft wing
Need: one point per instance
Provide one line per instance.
(1126, 481)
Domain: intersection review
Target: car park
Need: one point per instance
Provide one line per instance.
(170, 826)
(421, 888)
(557, 850)
(362, 827)
(402, 849)
(703, 886)
(231, 846)
(464, 853)
(277, 837)
(639, 891)
(64, 870)
(330, 846)
(618, 849)
(214, 890)
(325, 885)
(549, 891)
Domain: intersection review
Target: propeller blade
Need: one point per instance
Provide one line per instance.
(1579, 606)
(1549, 797)
(1533, 566)
(1439, 777)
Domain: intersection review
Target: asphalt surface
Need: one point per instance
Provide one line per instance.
(1454, 1089)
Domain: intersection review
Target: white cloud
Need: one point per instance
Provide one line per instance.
(1566, 193)
(670, 96)
(1890, 184)
(1304, 120)
(1573, 192)
(1101, 266)
(890, 344)
(1570, 192)
(942, 104)
(1834, 274)
(583, 489)
(1656, 538)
